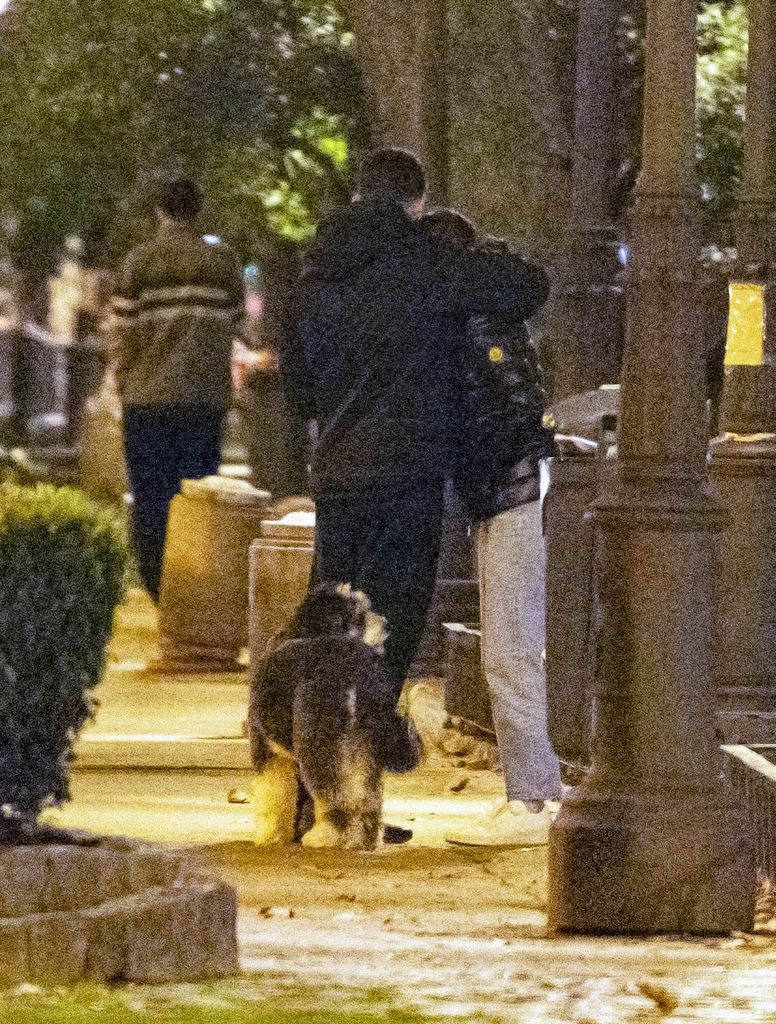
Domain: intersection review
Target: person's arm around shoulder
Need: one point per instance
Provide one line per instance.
(471, 281)
(499, 282)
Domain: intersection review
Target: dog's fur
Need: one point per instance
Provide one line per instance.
(322, 707)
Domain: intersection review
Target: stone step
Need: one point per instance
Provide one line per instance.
(105, 751)
(135, 703)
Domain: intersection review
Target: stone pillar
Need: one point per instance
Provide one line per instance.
(648, 844)
(403, 55)
(749, 397)
(743, 466)
(589, 312)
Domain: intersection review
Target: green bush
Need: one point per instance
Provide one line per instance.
(62, 565)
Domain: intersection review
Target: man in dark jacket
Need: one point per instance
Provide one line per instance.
(369, 357)
(502, 444)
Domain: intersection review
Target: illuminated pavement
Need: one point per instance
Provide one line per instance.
(457, 933)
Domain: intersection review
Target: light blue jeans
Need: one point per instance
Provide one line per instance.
(510, 549)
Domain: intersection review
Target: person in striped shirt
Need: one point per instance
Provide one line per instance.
(177, 307)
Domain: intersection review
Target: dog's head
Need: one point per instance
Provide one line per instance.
(336, 609)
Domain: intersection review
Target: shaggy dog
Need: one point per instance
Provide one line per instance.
(321, 711)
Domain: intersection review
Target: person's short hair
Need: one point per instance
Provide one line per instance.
(179, 198)
(395, 173)
(451, 227)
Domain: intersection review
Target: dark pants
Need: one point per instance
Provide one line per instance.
(388, 547)
(163, 446)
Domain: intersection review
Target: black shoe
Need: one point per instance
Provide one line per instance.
(395, 835)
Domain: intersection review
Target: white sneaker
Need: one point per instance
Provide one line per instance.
(511, 825)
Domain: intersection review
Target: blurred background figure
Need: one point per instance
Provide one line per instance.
(178, 303)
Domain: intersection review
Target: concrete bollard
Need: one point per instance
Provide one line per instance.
(570, 649)
(456, 594)
(203, 604)
(466, 689)
(102, 467)
(744, 471)
(281, 563)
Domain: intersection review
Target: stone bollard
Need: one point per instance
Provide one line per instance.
(281, 563)
(744, 471)
(465, 688)
(203, 604)
(456, 594)
(569, 588)
(102, 468)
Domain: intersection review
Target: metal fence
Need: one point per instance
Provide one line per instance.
(752, 774)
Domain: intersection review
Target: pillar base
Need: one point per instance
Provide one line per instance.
(747, 726)
(664, 863)
(181, 658)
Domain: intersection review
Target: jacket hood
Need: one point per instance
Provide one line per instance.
(355, 236)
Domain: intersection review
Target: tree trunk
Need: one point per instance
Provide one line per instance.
(402, 50)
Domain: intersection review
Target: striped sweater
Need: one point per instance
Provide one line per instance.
(177, 306)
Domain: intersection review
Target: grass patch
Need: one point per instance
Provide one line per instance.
(217, 1003)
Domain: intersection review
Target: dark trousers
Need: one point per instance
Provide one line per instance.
(163, 446)
(388, 547)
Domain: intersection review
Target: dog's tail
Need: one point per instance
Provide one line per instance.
(321, 718)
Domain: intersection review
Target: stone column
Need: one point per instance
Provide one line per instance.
(648, 843)
(749, 398)
(589, 313)
(744, 467)
(403, 55)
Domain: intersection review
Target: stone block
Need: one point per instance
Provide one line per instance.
(107, 929)
(150, 866)
(184, 933)
(14, 962)
(218, 930)
(57, 948)
(113, 879)
(72, 879)
(23, 880)
(110, 914)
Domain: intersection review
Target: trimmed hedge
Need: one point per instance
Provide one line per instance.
(62, 565)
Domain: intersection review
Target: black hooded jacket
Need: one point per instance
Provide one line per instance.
(369, 348)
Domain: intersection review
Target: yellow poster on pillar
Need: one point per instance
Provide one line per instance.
(746, 325)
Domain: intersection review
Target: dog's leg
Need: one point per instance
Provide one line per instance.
(349, 818)
(363, 829)
(275, 790)
(326, 831)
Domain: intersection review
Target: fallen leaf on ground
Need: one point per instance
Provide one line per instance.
(278, 912)
(238, 796)
(665, 1000)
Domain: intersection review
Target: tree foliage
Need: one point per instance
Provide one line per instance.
(262, 99)
(259, 97)
(721, 83)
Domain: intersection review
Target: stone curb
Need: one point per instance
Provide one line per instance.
(109, 914)
(51, 879)
(103, 752)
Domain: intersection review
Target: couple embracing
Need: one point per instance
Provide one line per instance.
(406, 345)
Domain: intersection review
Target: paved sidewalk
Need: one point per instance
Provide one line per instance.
(459, 934)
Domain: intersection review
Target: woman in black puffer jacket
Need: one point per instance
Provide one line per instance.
(501, 444)
(503, 401)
